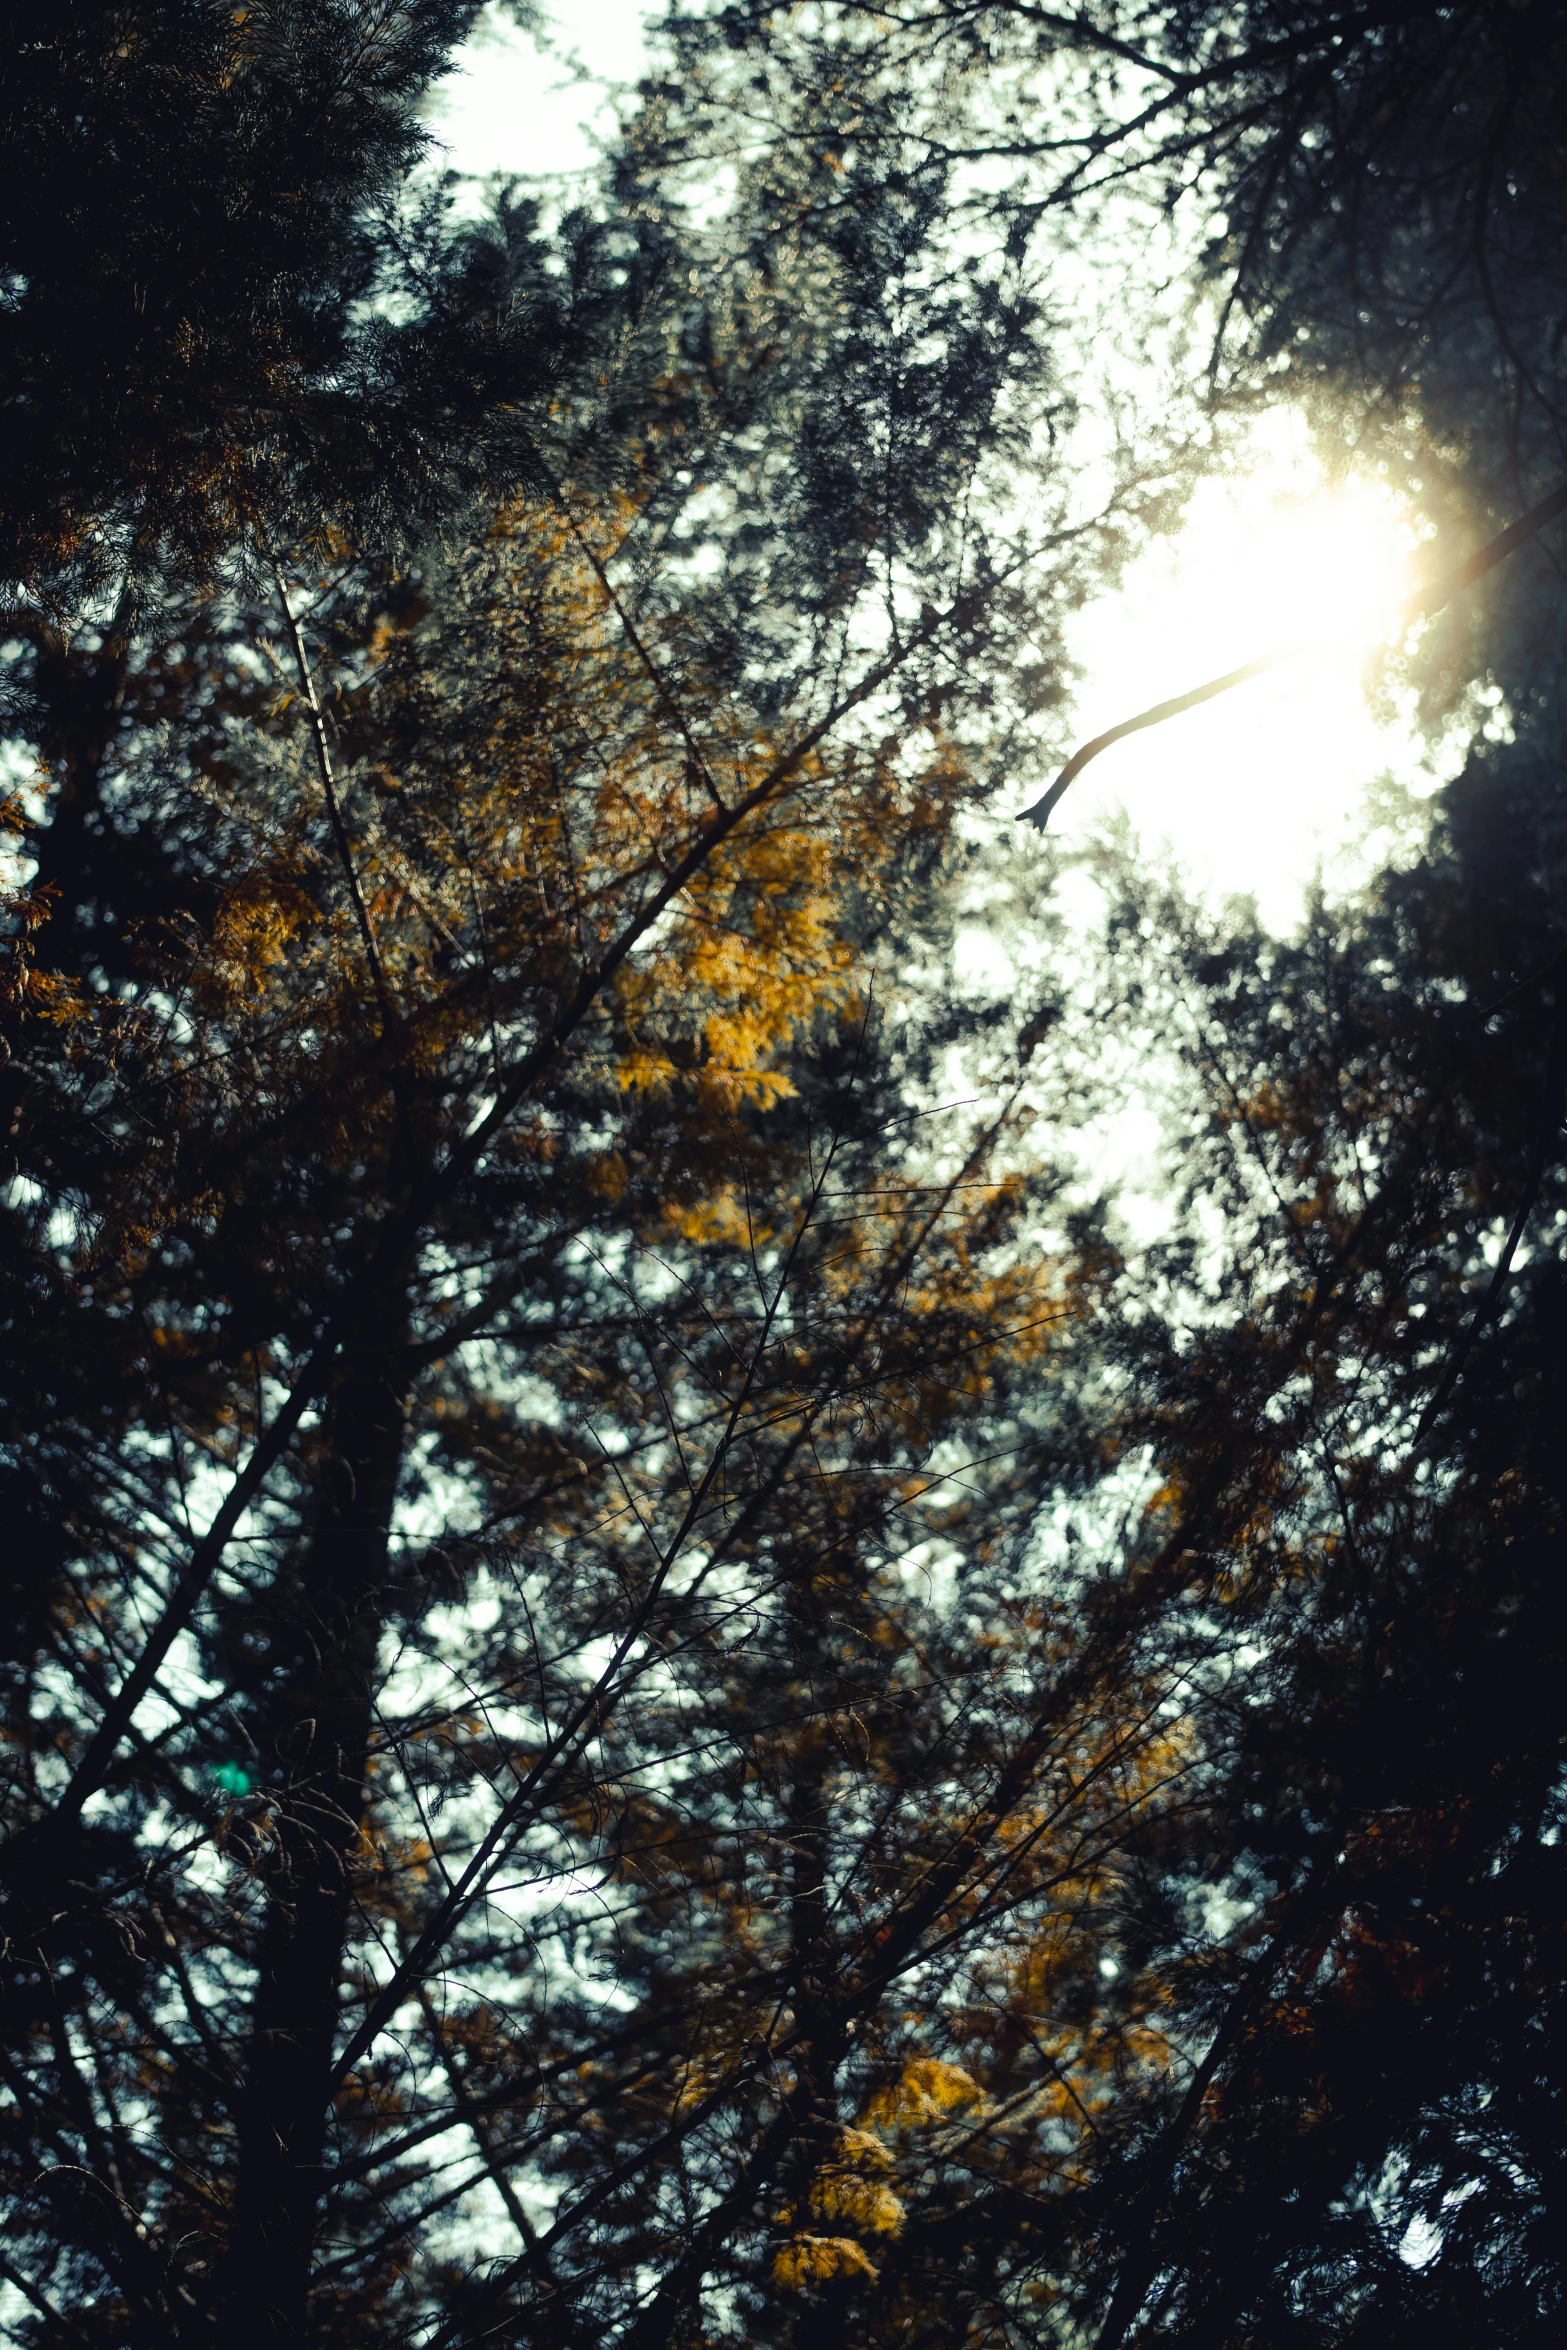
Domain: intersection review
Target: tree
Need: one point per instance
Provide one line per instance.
(1344, 1373)
(653, 1691)
(1398, 1085)
(211, 325)
(507, 1385)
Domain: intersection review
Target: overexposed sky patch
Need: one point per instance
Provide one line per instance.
(1249, 793)
(516, 105)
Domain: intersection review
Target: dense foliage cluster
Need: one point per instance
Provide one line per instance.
(654, 1687)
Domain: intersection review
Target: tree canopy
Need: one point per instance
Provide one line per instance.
(658, 1686)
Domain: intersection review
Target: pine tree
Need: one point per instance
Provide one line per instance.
(224, 312)
(1344, 1374)
(648, 1690)
(504, 1369)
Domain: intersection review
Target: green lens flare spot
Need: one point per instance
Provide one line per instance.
(233, 1778)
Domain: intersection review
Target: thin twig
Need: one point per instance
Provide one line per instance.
(345, 852)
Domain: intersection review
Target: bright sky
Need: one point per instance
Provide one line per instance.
(511, 107)
(1252, 790)
(1247, 794)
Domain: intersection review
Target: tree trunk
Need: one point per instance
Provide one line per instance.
(320, 1731)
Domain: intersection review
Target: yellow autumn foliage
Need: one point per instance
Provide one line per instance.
(816, 2260)
(925, 2091)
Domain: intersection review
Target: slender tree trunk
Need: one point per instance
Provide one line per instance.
(321, 1735)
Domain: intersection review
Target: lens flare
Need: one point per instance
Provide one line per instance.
(1250, 792)
(1338, 564)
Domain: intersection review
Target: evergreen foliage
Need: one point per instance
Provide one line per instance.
(652, 1689)
(499, 1384)
(210, 328)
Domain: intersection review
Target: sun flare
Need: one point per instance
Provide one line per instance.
(1251, 790)
(1334, 567)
